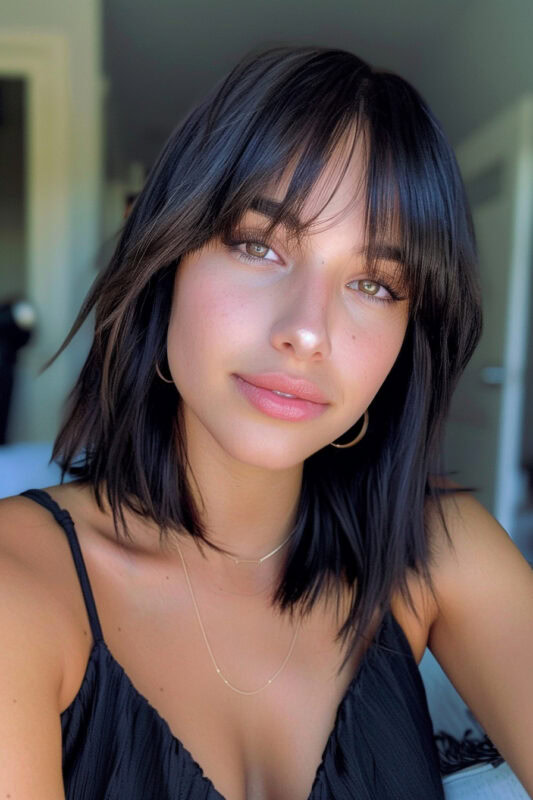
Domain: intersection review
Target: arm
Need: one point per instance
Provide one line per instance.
(482, 634)
(30, 679)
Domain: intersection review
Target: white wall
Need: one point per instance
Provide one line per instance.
(80, 23)
(480, 62)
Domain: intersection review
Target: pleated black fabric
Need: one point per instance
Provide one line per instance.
(116, 746)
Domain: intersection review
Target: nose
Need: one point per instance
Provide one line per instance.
(302, 324)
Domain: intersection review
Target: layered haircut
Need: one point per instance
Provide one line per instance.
(362, 519)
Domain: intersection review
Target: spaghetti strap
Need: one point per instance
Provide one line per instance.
(64, 519)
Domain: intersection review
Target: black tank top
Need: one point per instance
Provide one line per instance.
(116, 746)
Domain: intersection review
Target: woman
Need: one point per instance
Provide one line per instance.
(256, 594)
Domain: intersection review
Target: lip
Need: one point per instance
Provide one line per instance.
(299, 387)
(293, 409)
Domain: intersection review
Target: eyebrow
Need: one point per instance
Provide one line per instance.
(384, 252)
(269, 208)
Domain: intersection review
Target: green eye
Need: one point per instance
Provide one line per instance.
(370, 290)
(370, 287)
(256, 249)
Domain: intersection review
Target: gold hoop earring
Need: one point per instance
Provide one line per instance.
(159, 373)
(359, 435)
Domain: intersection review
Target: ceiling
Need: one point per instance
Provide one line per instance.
(160, 58)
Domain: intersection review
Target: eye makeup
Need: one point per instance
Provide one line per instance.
(254, 237)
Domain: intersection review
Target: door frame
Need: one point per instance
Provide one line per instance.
(509, 138)
(41, 60)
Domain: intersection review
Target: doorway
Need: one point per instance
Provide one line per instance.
(486, 429)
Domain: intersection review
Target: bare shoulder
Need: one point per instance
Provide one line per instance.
(29, 535)
(32, 552)
(31, 656)
(482, 632)
(39, 588)
(468, 550)
(471, 552)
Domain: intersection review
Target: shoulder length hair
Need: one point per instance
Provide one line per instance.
(361, 520)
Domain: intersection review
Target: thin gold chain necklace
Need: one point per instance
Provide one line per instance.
(217, 668)
(258, 560)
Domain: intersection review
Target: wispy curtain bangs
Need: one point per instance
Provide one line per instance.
(296, 112)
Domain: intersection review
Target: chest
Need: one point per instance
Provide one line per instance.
(252, 747)
(262, 746)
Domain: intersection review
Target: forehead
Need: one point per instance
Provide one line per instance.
(337, 200)
(338, 190)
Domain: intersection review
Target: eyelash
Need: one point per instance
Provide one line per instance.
(233, 244)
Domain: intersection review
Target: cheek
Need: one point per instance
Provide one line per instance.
(371, 351)
(209, 322)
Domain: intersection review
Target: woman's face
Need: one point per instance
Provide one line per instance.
(309, 311)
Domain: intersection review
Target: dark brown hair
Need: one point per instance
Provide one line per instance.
(361, 514)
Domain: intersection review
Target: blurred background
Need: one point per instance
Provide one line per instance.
(89, 92)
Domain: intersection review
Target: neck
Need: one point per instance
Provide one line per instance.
(247, 510)
(254, 535)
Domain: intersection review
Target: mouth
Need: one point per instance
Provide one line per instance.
(276, 403)
(286, 385)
